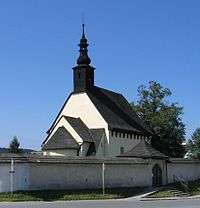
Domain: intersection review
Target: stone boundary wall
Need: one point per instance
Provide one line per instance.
(183, 169)
(39, 172)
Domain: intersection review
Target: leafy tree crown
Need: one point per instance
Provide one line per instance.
(14, 145)
(163, 117)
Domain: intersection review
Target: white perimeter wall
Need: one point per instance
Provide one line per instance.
(184, 170)
(87, 176)
(20, 179)
(77, 174)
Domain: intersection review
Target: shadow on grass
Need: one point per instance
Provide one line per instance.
(193, 188)
(55, 195)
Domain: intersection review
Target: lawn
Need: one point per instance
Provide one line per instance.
(193, 189)
(55, 195)
(161, 194)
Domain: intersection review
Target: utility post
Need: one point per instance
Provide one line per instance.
(103, 178)
(12, 176)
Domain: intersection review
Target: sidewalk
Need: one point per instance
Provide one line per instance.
(169, 198)
(141, 196)
(144, 197)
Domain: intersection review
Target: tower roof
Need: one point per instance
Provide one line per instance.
(83, 58)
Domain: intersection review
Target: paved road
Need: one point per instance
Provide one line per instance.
(189, 203)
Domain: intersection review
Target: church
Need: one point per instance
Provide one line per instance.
(97, 122)
(95, 135)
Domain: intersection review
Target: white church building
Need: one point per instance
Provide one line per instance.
(97, 122)
(95, 135)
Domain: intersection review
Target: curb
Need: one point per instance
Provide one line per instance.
(169, 198)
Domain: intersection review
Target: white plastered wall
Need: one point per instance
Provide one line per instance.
(20, 177)
(183, 171)
(83, 176)
(78, 174)
(73, 175)
(117, 142)
(80, 105)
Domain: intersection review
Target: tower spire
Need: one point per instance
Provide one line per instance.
(83, 30)
(83, 58)
(83, 72)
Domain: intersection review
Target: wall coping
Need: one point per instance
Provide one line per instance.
(183, 160)
(70, 160)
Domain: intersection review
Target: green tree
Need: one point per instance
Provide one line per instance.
(14, 145)
(162, 117)
(193, 145)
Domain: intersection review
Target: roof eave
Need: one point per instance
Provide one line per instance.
(60, 148)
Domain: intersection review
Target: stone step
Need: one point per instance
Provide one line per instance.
(178, 193)
(181, 194)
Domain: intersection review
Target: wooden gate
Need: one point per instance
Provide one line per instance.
(157, 176)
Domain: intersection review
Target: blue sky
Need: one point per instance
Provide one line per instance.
(131, 43)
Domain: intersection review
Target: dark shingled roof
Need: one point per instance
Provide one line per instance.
(97, 135)
(144, 150)
(80, 128)
(116, 110)
(61, 139)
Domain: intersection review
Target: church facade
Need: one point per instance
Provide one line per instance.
(97, 122)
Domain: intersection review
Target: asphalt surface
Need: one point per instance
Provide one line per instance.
(185, 203)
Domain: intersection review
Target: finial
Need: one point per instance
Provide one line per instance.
(83, 25)
(83, 57)
(83, 30)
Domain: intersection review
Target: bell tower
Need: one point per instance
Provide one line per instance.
(83, 72)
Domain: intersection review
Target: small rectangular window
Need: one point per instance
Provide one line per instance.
(121, 150)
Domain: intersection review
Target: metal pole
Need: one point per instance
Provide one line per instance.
(12, 176)
(103, 178)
